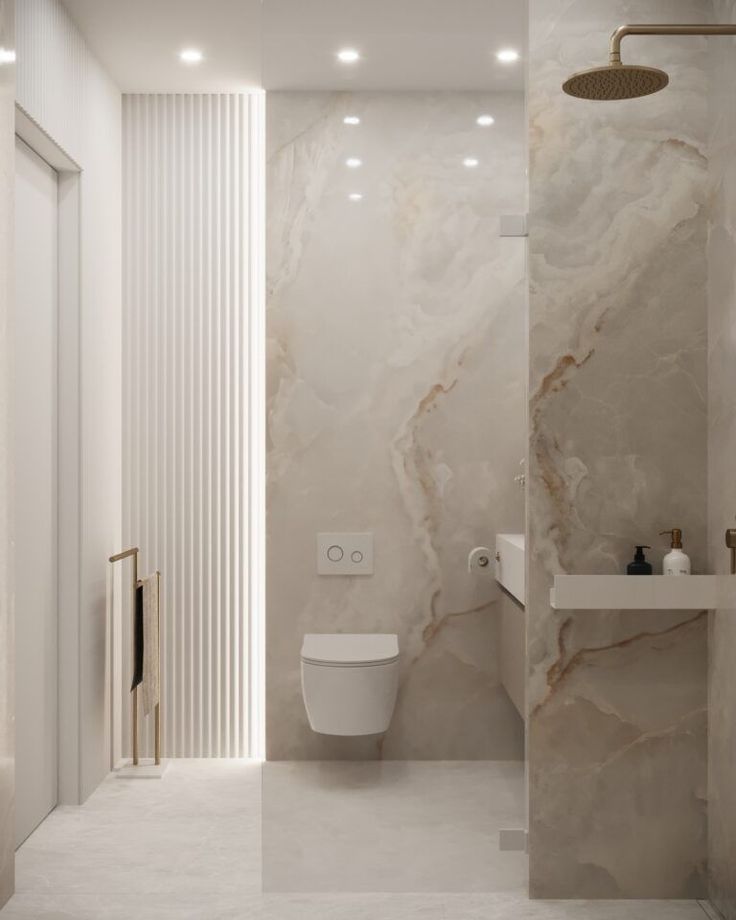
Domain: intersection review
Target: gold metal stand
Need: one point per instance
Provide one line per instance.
(157, 710)
(118, 557)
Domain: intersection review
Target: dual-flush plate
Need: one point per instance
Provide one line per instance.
(345, 553)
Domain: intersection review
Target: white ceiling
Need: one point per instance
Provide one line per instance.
(291, 44)
(138, 42)
(406, 44)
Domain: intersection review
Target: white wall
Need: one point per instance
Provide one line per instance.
(63, 88)
(7, 658)
(190, 268)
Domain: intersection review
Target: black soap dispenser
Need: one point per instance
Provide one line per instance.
(639, 566)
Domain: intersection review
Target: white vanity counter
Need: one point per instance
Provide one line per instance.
(510, 573)
(510, 564)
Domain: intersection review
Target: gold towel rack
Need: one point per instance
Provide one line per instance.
(118, 557)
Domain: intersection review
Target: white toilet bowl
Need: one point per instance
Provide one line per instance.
(349, 682)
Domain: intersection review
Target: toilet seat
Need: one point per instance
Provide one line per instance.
(349, 650)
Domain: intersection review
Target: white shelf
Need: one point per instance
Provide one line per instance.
(510, 566)
(642, 592)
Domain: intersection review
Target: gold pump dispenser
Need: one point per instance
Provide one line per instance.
(676, 562)
(676, 535)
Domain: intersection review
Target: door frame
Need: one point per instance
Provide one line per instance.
(68, 449)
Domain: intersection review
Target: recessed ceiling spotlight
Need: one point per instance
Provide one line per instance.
(191, 56)
(485, 120)
(353, 162)
(507, 55)
(355, 196)
(470, 162)
(351, 120)
(348, 56)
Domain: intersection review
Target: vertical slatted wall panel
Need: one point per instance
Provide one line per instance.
(54, 64)
(188, 270)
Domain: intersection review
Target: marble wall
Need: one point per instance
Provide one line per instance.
(396, 374)
(722, 444)
(617, 700)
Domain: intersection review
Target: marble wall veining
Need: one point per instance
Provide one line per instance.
(618, 223)
(396, 373)
(721, 483)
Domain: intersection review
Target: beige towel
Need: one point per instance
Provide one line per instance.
(151, 659)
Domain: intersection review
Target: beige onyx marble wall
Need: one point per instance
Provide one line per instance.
(396, 402)
(722, 484)
(618, 224)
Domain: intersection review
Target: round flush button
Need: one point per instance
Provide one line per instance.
(335, 553)
(356, 555)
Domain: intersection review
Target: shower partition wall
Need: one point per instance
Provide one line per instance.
(618, 334)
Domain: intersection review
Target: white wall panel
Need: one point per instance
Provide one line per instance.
(189, 266)
(65, 90)
(7, 613)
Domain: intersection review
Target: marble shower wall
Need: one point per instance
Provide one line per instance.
(617, 700)
(721, 482)
(396, 372)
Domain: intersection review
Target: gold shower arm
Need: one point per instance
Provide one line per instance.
(662, 29)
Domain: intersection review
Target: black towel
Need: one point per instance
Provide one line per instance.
(138, 639)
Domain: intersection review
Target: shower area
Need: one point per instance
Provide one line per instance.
(396, 327)
(630, 711)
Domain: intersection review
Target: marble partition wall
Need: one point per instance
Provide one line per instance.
(396, 404)
(722, 449)
(618, 223)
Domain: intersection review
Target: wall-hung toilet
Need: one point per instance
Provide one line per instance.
(349, 682)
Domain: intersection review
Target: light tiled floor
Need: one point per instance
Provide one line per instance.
(414, 826)
(189, 848)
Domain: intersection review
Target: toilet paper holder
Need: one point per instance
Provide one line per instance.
(479, 559)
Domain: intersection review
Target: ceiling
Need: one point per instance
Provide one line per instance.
(138, 42)
(291, 44)
(405, 44)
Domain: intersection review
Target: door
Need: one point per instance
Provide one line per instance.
(35, 494)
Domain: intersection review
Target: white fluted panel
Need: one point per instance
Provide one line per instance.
(55, 67)
(188, 265)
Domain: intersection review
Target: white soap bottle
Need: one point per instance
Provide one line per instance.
(675, 562)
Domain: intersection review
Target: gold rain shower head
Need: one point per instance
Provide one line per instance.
(628, 81)
(616, 81)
